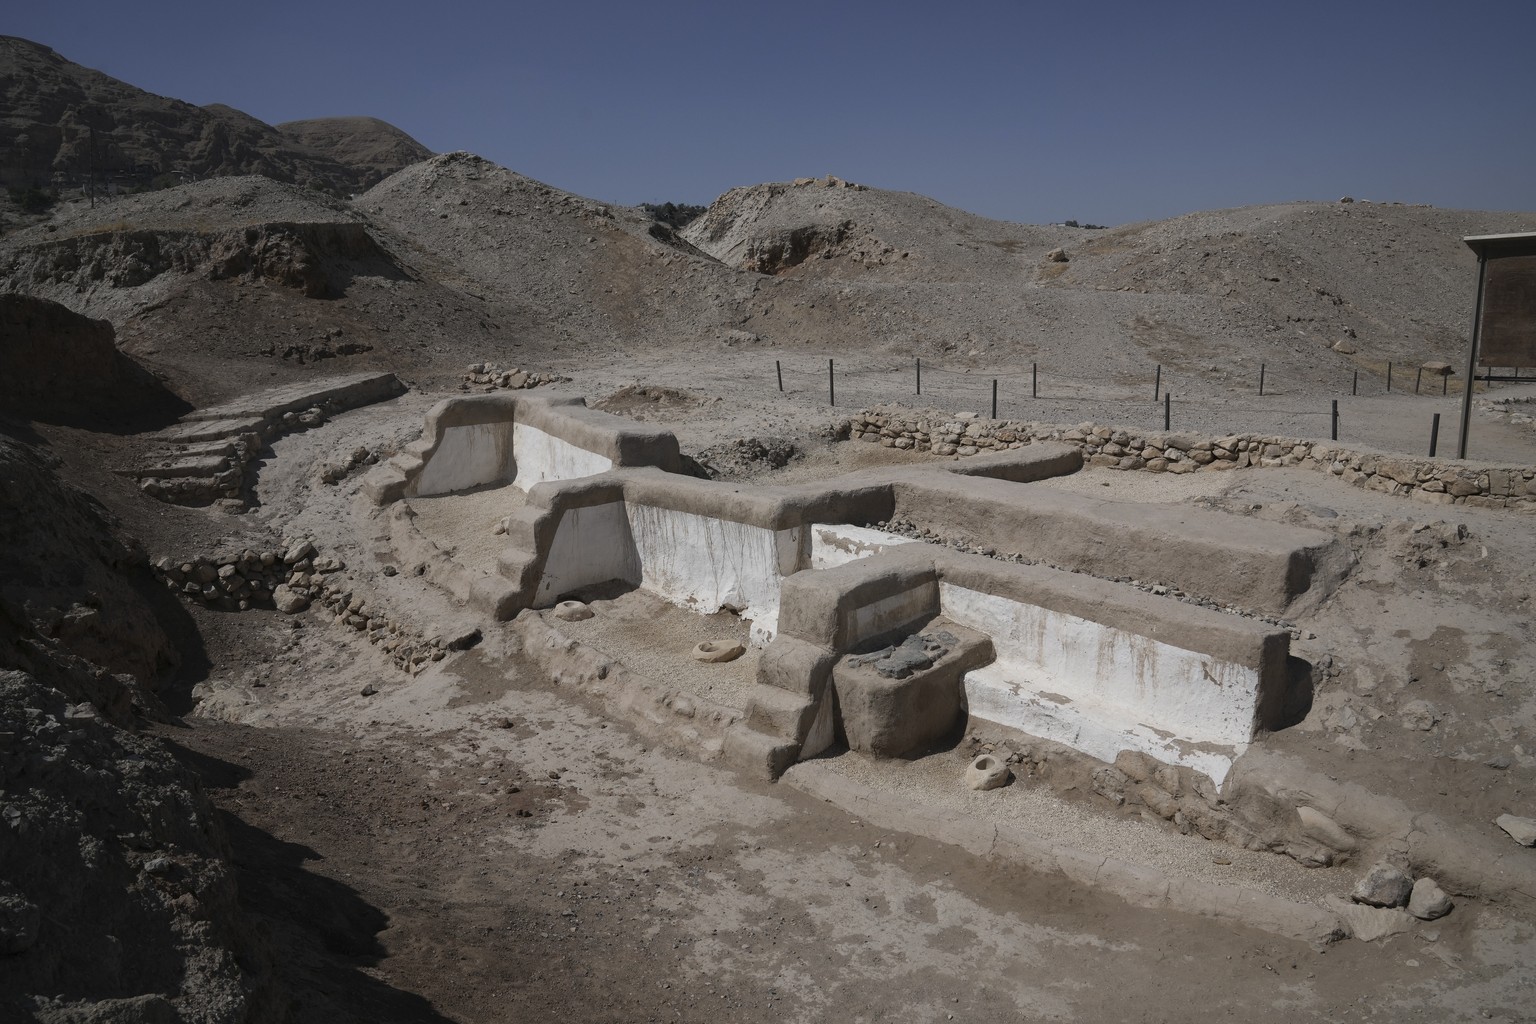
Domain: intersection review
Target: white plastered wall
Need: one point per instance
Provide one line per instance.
(468, 456)
(1102, 690)
(539, 456)
(704, 564)
(700, 563)
(591, 545)
(834, 544)
(503, 452)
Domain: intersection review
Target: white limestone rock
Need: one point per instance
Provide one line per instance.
(1428, 901)
(288, 600)
(987, 772)
(712, 651)
(1521, 830)
(572, 611)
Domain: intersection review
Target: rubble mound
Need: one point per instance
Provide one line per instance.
(117, 901)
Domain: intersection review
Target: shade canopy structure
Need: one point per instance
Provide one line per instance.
(1504, 322)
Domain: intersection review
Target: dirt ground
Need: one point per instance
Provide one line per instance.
(381, 843)
(472, 844)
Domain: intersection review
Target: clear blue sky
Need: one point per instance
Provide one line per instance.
(1105, 112)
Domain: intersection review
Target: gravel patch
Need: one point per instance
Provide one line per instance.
(655, 639)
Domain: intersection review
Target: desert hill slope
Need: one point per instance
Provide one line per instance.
(363, 143)
(49, 107)
(456, 259)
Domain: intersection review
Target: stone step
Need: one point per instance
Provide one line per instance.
(781, 714)
(214, 429)
(204, 466)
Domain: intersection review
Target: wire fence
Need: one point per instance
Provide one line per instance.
(1283, 399)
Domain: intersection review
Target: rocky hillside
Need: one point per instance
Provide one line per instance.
(117, 901)
(376, 148)
(53, 112)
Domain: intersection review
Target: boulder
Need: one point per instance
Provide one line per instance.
(1369, 923)
(1057, 256)
(1439, 369)
(1320, 828)
(1521, 830)
(1383, 886)
(287, 600)
(1428, 901)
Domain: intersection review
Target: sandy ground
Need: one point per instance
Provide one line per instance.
(643, 886)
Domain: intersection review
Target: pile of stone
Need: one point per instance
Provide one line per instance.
(411, 651)
(335, 472)
(491, 377)
(830, 181)
(236, 581)
(1387, 900)
(1518, 410)
(1433, 481)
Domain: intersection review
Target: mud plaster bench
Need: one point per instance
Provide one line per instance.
(1096, 665)
(1100, 667)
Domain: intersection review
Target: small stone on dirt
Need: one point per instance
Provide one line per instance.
(1383, 886)
(1428, 901)
(1521, 830)
(987, 772)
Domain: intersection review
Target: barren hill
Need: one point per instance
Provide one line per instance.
(362, 143)
(51, 110)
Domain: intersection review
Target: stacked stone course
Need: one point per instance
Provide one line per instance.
(1433, 481)
(290, 580)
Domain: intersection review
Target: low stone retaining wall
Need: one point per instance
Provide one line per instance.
(1433, 481)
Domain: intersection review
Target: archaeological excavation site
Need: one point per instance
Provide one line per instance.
(434, 596)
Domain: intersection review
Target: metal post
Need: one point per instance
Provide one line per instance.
(1261, 380)
(1445, 384)
(1034, 380)
(994, 398)
(1477, 336)
(919, 374)
(1354, 388)
(1389, 375)
(778, 369)
(831, 387)
(1417, 378)
(1434, 434)
(1167, 410)
(1157, 386)
(1335, 434)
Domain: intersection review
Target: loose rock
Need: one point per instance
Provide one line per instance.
(717, 651)
(1521, 830)
(987, 772)
(1383, 886)
(1428, 901)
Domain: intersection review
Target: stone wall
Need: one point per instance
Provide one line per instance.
(1433, 481)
